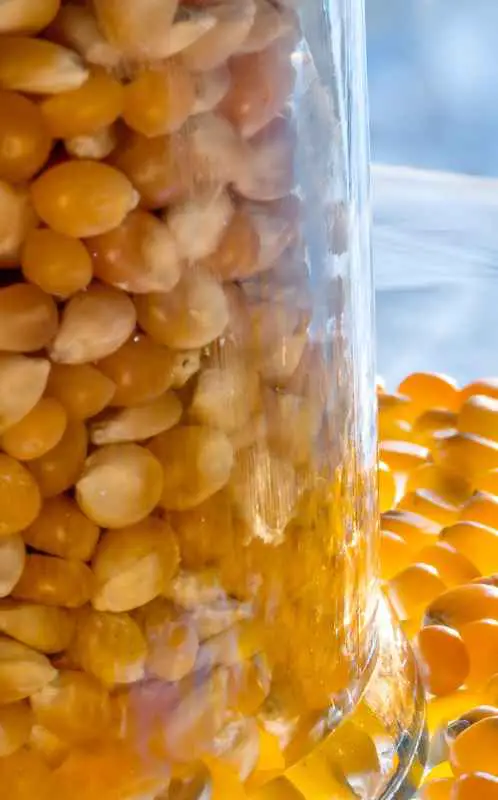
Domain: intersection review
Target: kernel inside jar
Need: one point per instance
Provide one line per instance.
(177, 553)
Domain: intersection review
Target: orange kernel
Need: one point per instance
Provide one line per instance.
(443, 659)
(95, 104)
(58, 264)
(36, 433)
(82, 198)
(430, 390)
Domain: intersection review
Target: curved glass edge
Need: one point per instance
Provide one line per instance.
(379, 751)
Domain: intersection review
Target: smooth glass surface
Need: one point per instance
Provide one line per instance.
(196, 612)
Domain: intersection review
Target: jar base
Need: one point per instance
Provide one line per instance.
(379, 750)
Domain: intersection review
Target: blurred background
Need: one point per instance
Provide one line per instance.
(433, 74)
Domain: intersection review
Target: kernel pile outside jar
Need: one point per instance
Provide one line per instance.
(439, 538)
(175, 563)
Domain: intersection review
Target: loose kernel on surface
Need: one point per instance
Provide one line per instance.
(396, 430)
(20, 499)
(396, 406)
(430, 390)
(417, 531)
(475, 749)
(36, 433)
(481, 507)
(45, 628)
(82, 389)
(25, 142)
(138, 256)
(12, 558)
(414, 588)
(463, 604)
(491, 689)
(58, 264)
(481, 640)
(82, 198)
(439, 789)
(453, 567)
(62, 530)
(466, 454)
(479, 543)
(488, 481)
(134, 565)
(94, 324)
(442, 710)
(469, 718)
(59, 469)
(429, 505)
(120, 485)
(387, 487)
(36, 66)
(54, 582)
(402, 456)
(395, 555)
(479, 415)
(487, 387)
(95, 104)
(475, 785)
(196, 461)
(487, 580)
(447, 485)
(433, 423)
(443, 659)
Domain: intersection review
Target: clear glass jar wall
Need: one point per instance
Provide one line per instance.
(187, 466)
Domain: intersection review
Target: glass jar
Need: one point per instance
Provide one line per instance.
(188, 470)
